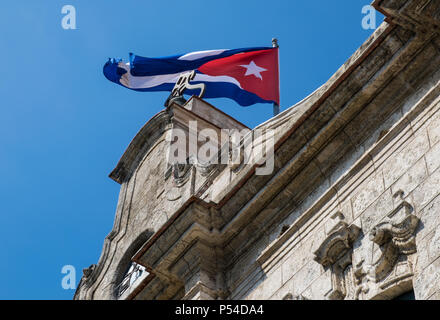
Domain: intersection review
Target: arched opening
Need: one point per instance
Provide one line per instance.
(128, 272)
(133, 273)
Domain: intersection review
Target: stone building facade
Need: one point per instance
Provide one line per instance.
(351, 209)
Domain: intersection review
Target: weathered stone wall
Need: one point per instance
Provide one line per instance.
(406, 158)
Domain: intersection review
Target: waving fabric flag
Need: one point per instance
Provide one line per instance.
(247, 76)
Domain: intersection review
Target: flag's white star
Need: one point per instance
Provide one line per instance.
(253, 69)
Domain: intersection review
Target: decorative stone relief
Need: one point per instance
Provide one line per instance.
(181, 174)
(396, 240)
(335, 252)
(87, 272)
(290, 296)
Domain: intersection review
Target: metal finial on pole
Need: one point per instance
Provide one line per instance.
(276, 107)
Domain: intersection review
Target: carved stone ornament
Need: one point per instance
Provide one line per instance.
(290, 296)
(87, 272)
(180, 174)
(335, 252)
(396, 240)
(206, 168)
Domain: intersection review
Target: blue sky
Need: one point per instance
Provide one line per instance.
(63, 126)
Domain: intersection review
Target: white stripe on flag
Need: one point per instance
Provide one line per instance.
(153, 81)
(200, 54)
(207, 78)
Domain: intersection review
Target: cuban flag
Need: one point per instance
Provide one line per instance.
(247, 76)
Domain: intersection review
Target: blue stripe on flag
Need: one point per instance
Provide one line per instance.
(141, 66)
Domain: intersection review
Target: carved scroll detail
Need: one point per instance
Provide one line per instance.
(180, 172)
(88, 272)
(396, 240)
(336, 253)
(290, 296)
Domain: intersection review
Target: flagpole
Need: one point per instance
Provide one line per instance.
(276, 107)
